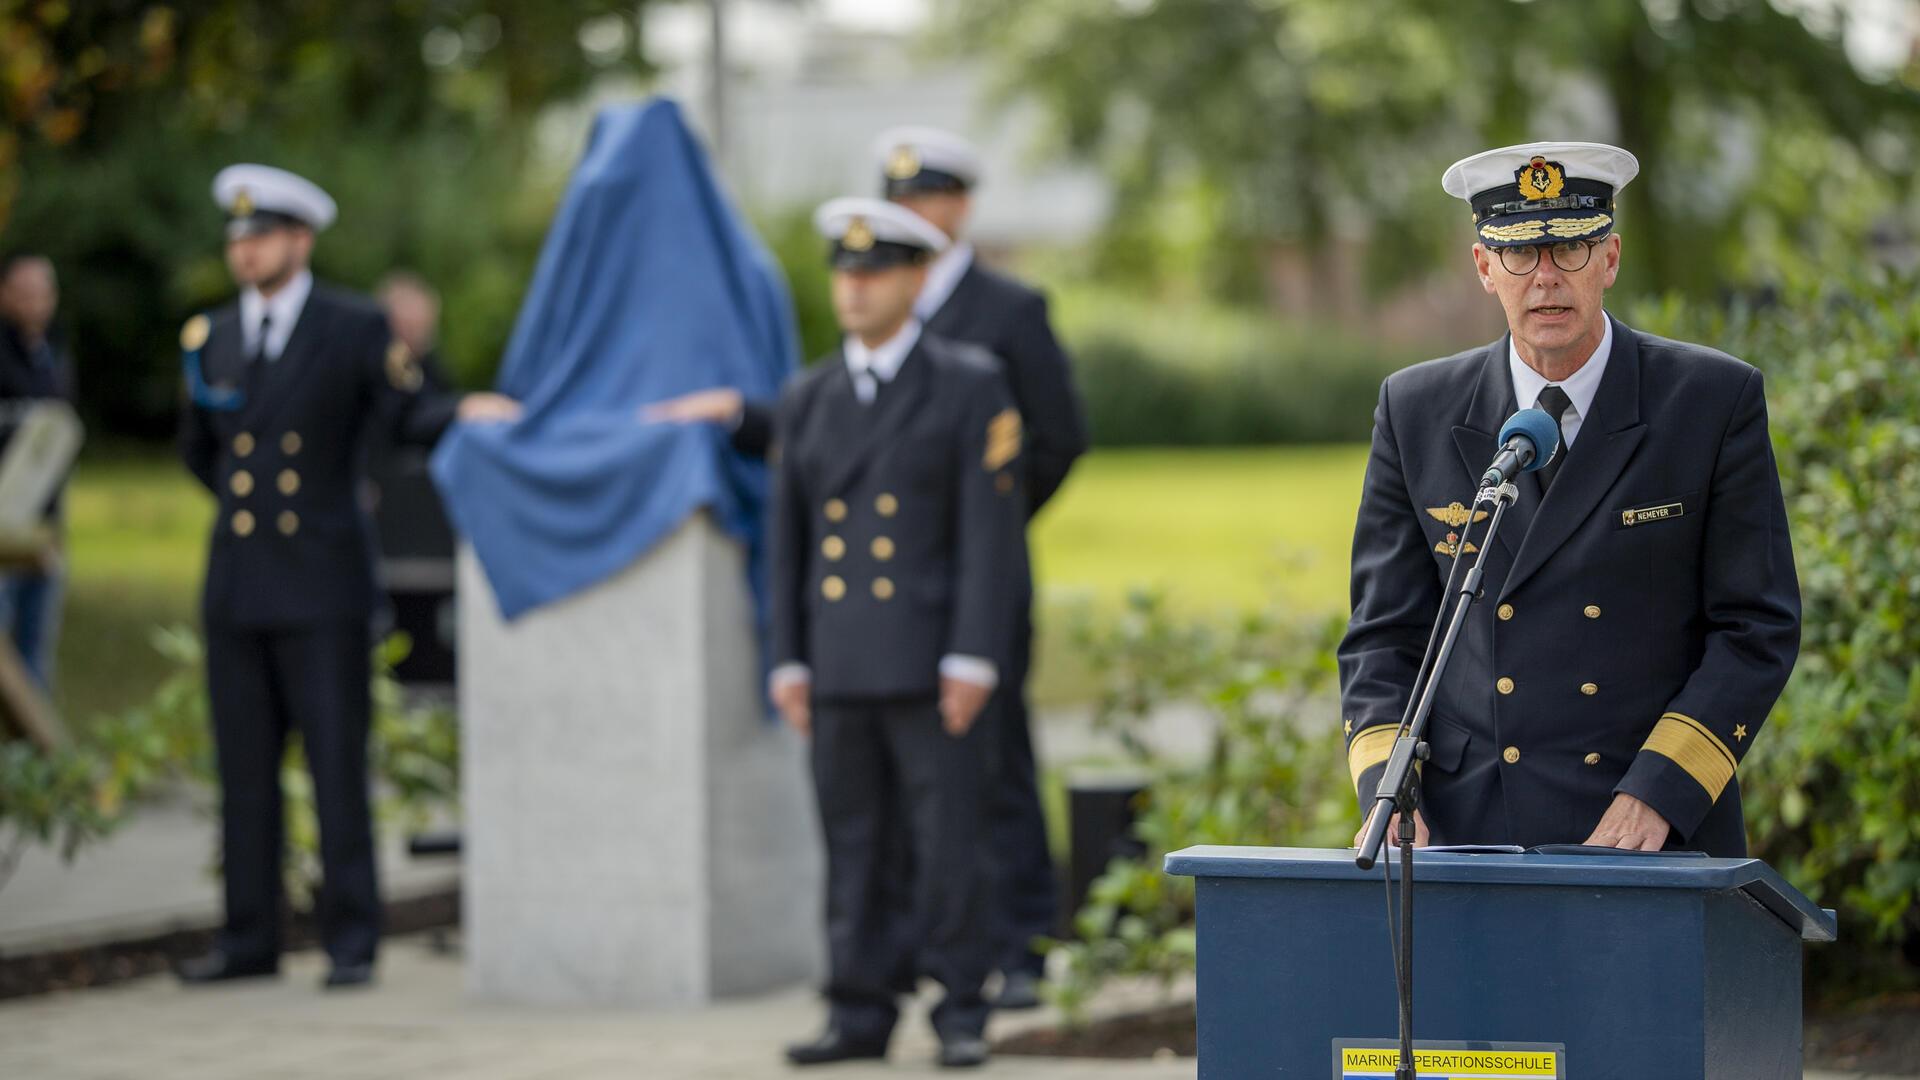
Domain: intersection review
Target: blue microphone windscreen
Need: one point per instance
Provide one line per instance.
(1540, 429)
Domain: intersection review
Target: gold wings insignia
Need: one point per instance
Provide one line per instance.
(1445, 547)
(1454, 515)
(1003, 439)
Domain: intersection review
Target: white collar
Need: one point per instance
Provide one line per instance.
(884, 359)
(942, 278)
(1581, 386)
(283, 307)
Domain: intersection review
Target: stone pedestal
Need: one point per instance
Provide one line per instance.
(637, 832)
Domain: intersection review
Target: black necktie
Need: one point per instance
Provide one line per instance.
(1556, 403)
(260, 346)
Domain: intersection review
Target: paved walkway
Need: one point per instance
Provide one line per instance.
(416, 1023)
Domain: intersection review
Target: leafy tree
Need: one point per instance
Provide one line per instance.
(418, 115)
(1302, 122)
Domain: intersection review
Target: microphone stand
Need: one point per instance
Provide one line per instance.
(1397, 792)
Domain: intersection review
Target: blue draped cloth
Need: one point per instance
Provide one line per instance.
(649, 285)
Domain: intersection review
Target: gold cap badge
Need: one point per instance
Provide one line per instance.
(859, 235)
(903, 163)
(242, 203)
(1540, 179)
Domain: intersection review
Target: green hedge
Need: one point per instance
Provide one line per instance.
(1832, 786)
(1167, 374)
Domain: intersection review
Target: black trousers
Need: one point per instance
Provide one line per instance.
(262, 685)
(1026, 892)
(900, 802)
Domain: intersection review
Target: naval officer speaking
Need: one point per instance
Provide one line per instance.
(1640, 612)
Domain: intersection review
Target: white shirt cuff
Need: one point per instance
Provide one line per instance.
(786, 675)
(970, 669)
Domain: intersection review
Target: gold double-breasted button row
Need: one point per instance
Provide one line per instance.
(243, 523)
(1505, 611)
(244, 443)
(241, 482)
(834, 588)
(834, 548)
(884, 504)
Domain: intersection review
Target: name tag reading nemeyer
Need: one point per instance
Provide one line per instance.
(1374, 1059)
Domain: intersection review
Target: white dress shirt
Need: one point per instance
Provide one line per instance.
(1581, 386)
(284, 307)
(942, 278)
(870, 367)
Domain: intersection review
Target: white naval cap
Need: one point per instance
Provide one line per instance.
(260, 197)
(914, 159)
(1542, 192)
(873, 233)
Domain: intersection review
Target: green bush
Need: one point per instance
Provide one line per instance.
(1274, 774)
(1832, 786)
(1160, 374)
(78, 793)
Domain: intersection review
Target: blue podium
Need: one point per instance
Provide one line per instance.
(1592, 967)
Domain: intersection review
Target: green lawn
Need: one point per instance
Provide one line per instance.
(1220, 530)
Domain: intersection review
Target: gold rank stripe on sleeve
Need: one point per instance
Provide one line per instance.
(1003, 439)
(1694, 748)
(1369, 748)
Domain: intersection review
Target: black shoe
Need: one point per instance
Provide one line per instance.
(218, 967)
(1018, 990)
(347, 976)
(963, 1052)
(833, 1046)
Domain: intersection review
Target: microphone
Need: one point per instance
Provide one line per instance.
(1529, 440)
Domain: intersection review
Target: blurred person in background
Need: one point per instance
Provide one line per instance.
(34, 366)
(897, 517)
(283, 386)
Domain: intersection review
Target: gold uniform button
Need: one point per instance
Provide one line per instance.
(882, 548)
(833, 548)
(1589, 689)
(833, 588)
(241, 483)
(1593, 611)
(1592, 759)
(1505, 685)
(886, 505)
(289, 481)
(290, 443)
(1506, 612)
(1511, 755)
(835, 509)
(882, 588)
(289, 523)
(243, 523)
(242, 444)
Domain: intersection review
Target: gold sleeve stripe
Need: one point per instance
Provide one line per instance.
(1003, 439)
(1370, 748)
(1695, 749)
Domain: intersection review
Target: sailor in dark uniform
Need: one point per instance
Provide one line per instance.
(898, 507)
(283, 386)
(1640, 612)
(933, 173)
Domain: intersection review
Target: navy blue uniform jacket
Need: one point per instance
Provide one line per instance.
(1637, 623)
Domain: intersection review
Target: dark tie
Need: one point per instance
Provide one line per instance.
(1556, 402)
(260, 345)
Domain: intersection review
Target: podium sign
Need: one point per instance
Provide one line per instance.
(1538, 965)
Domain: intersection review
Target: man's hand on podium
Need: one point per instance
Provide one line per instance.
(1632, 825)
(1420, 836)
(793, 698)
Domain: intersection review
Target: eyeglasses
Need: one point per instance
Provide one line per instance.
(1571, 256)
